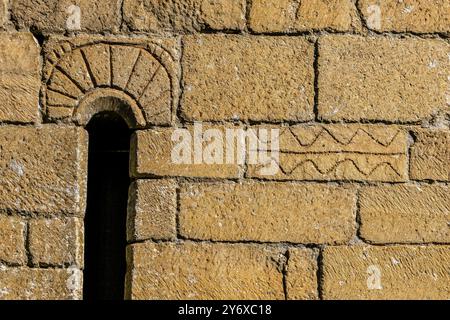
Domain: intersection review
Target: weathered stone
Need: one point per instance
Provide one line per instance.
(421, 16)
(295, 16)
(12, 240)
(56, 242)
(430, 155)
(248, 78)
(3, 12)
(339, 152)
(43, 170)
(393, 272)
(67, 15)
(40, 284)
(301, 276)
(403, 214)
(266, 212)
(152, 209)
(381, 78)
(204, 271)
(184, 15)
(19, 77)
(152, 156)
(137, 78)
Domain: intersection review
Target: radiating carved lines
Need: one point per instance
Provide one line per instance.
(88, 67)
(96, 66)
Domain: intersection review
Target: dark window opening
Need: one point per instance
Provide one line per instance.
(105, 220)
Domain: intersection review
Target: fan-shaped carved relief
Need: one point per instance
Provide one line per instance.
(138, 81)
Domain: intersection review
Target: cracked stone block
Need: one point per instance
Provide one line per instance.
(184, 15)
(296, 16)
(57, 242)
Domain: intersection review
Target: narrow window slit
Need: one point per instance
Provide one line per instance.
(105, 220)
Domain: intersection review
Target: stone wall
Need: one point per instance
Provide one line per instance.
(360, 91)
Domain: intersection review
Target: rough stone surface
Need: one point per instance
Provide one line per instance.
(430, 155)
(301, 274)
(248, 78)
(61, 15)
(405, 272)
(40, 284)
(204, 271)
(184, 15)
(12, 241)
(152, 156)
(3, 12)
(339, 152)
(19, 77)
(152, 209)
(405, 213)
(265, 212)
(137, 78)
(56, 242)
(382, 78)
(43, 169)
(421, 16)
(295, 16)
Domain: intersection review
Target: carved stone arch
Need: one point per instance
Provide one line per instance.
(136, 80)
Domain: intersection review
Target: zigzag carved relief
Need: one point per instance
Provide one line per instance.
(341, 152)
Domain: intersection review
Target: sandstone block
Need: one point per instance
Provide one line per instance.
(204, 271)
(67, 15)
(405, 213)
(152, 156)
(301, 277)
(41, 284)
(152, 209)
(248, 78)
(394, 272)
(57, 242)
(272, 212)
(430, 155)
(297, 16)
(12, 240)
(420, 16)
(184, 15)
(43, 170)
(382, 78)
(19, 77)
